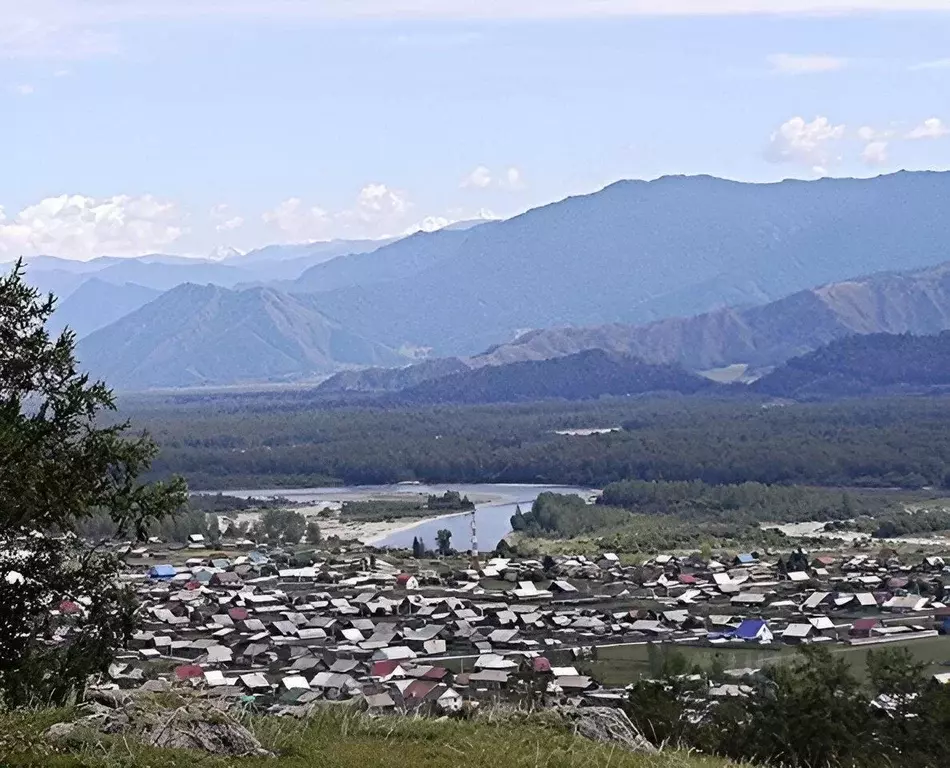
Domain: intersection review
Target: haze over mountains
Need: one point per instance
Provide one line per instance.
(760, 336)
(615, 270)
(206, 335)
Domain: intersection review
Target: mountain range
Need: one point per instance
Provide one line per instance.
(760, 336)
(694, 271)
(637, 252)
(207, 335)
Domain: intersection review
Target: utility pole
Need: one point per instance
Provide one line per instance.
(474, 549)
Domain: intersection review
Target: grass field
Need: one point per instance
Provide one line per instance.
(335, 739)
(620, 665)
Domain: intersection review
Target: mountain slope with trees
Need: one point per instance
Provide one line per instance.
(863, 364)
(586, 375)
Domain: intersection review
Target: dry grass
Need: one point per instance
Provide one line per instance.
(341, 739)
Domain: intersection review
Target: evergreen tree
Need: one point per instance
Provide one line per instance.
(444, 539)
(62, 464)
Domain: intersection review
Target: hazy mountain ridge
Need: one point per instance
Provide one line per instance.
(207, 335)
(397, 261)
(638, 251)
(97, 303)
(760, 336)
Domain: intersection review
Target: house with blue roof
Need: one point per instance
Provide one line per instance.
(162, 572)
(746, 559)
(754, 631)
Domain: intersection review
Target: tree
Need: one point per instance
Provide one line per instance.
(213, 533)
(444, 537)
(63, 463)
(313, 534)
(283, 525)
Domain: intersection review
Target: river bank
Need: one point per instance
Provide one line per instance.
(494, 506)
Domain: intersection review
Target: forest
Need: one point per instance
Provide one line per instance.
(556, 516)
(285, 439)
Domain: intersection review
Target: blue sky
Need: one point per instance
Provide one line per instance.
(136, 126)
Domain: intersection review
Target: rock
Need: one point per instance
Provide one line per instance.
(114, 699)
(221, 736)
(196, 724)
(608, 726)
(59, 733)
(155, 686)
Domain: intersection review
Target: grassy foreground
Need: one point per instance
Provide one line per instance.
(335, 739)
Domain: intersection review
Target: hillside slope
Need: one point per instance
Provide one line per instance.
(583, 376)
(377, 380)
(863, 364)
(399, 260)
(640, 251)
(97, 303)
(762, 336)
(334, 737)
(201, 335)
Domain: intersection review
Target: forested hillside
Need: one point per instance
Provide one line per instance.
(862, 364)
(590, 374)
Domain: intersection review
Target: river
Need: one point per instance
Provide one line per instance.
(494, 506)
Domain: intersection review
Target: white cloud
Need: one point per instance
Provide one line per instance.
(479, 178)
(378, 200)
(875, 154)
(513, 179)
(298, 221)
(792, 64)
(80, 227)
(378, 211)
(86, 28)
(482, 178)
(225, 220)
(809, 144)
(24, 89)
(938, 64)
(48, 29)
(235, 222)
(934, 128)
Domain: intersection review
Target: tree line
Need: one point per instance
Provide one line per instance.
(812, 712)
(277, 440)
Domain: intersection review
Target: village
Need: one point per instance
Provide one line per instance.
(284, 632)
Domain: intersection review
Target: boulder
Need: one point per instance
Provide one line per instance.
(608, 726)
(195, 724)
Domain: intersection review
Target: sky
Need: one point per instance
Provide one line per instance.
(192, 126)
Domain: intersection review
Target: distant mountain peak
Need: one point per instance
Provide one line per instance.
(224, 252)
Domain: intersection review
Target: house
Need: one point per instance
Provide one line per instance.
(407, 581)
(906, 604)
(162, 572)
(746, 559)
(797, 633)
(754, 631)
(227, 579)
(864, 627)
